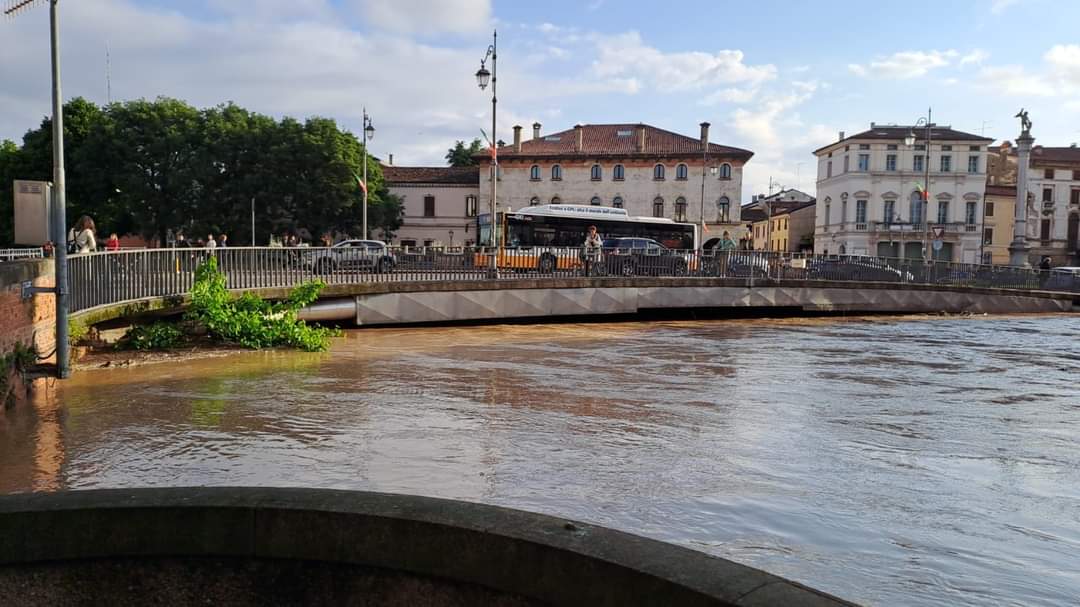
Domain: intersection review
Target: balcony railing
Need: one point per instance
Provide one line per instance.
(906, 226)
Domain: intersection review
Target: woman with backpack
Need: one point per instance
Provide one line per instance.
(85, 240)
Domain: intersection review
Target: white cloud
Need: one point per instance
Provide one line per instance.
(975, 57)
(999, 6)
(904, 64)
(1014, 80)
(1064, 63)
(730, 95)
(424, 16)
(626, 55)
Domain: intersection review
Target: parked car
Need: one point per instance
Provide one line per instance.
(642, 256)
(867, 270)
(351, 255)
(1063, 278)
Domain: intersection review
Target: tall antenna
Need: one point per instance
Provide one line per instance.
(108, 76)
(985, 123)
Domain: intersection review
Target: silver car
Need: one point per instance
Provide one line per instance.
(353, 256)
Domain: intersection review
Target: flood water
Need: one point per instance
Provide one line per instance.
(888, 461)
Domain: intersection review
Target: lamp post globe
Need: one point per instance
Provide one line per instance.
(909, 140)
(483, 76)
(369, 131)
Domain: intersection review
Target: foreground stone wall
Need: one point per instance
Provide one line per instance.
(27, 321)
(262, 546)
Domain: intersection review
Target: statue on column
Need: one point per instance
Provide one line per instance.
(1025, 122)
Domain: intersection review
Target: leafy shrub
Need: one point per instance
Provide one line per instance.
(158, 336)
(251, 321)
(77, 330)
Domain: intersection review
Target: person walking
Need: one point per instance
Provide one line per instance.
(590, 253)
(113, 243)
(210, 242)
(223, 241)
(85, 241)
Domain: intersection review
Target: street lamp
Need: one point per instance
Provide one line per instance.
(910, 142)
(59, 235)
(483, 76)
(369, 133)
(712, 171)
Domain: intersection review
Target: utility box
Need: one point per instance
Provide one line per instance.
(33, 212)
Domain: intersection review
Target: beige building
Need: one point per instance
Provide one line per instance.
(869, 198)
(440, 204)
(646, 170)
(998, 222)
(783, 221)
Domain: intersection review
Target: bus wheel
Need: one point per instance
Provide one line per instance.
(547, 264)
(628, 268)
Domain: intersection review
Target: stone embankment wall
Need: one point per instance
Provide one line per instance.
(27, 321)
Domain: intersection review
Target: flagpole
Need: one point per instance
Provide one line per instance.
(363, 159)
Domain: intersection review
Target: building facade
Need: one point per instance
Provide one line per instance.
(998, 222)
(645, 170)
(871, 201)
(440, 204)
(1053, 208)
(782, 222)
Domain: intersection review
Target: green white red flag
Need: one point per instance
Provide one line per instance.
(360, 182)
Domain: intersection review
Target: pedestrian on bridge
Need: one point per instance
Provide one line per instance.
(590, 254)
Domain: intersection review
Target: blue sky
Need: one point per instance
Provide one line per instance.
(779, 78)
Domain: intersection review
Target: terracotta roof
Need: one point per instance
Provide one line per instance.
(896, 133)
(618, 139)
(1069, 155)
(1001, 190)
(395, 175)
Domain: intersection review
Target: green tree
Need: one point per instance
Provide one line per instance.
(156, 145)
(9, 159)
(461, 155)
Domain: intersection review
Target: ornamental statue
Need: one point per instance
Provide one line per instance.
(1025, 122)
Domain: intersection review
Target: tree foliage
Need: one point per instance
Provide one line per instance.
(461, 155)
(149, 167)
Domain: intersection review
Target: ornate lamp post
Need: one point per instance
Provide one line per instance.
(712, 171)
(910, 142)
(483, 76)
(368, 134)
(59, 219)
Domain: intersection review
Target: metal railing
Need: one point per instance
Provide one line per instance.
(21, 253)
(111, 277)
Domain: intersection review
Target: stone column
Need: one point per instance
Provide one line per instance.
(1018, 248)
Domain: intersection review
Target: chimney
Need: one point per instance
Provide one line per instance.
(391, 160)
(517, 138)
(841, 136)
(640, 137)
(579, 138)
(536, 130)
(704, 135)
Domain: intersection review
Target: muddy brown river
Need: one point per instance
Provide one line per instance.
(888, 461)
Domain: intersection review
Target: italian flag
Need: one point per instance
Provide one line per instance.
(360, 182)
(922, 190)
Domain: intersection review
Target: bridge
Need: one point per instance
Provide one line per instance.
(379, 287)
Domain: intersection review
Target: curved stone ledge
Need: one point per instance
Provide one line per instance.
(310, 546)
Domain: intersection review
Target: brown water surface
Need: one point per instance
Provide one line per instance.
(889, 461)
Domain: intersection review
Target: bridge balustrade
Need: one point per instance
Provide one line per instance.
(105, 278)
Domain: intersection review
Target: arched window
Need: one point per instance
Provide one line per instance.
(681, 172)
(596, 173)
(556, 200)
(535, 200)
(595, 201)
(617, 202)
(680, 208)
(556, 172)
(618, 173)
(534, 172)
(725, 171)
(658, 173)
(723, 206)
(658, 206)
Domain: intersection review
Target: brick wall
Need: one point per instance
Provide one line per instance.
(27, 321)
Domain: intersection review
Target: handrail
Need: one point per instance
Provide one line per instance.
(112, 277)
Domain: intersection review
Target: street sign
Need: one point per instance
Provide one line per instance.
(938, 244)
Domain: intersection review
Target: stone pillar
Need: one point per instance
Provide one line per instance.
(1018, 248)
